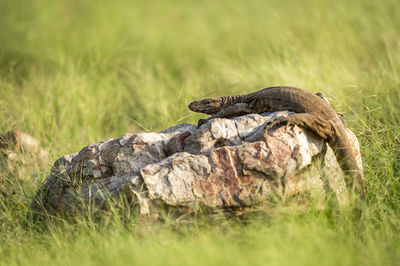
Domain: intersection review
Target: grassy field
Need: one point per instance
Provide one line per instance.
(77, 72)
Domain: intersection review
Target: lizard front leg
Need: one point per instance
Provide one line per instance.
(318, 125)
(228, 112)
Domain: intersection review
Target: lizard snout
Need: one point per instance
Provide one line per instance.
(192, 106)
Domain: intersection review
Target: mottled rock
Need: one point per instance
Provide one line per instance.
(19, 151)
(225, 164)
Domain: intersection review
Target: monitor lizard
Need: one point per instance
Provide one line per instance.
(311, 111)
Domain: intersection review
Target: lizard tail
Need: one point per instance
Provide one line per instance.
(348, 163)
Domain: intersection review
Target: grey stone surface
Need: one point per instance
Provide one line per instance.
(224, 164)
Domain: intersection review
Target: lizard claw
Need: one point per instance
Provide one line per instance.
(201, 122)
(277, 123)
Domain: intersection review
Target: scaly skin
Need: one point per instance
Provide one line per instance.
(312, 111)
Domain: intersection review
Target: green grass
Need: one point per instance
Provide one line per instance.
(77, 72)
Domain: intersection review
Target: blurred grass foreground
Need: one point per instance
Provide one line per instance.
(76, 72)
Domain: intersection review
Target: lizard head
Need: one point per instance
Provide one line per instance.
(207, 106)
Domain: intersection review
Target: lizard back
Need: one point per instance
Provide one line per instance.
(291, 99)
